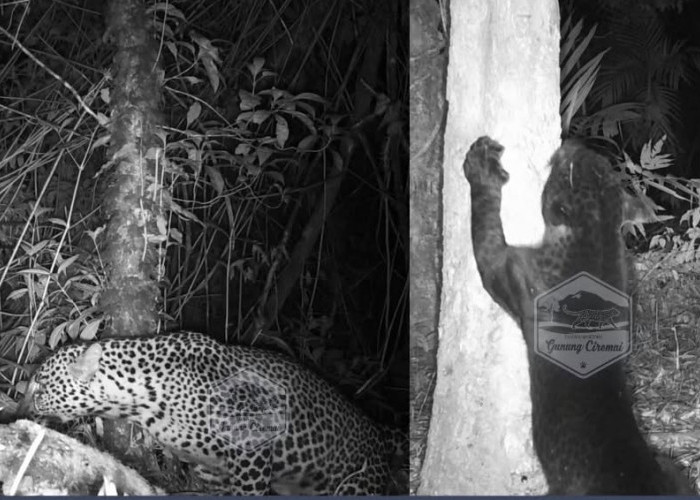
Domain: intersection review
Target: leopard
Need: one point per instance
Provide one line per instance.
(592, 318)
(584, 430)
(250, 420)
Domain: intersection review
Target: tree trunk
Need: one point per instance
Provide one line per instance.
(428, 109)
(130, 187)
(503, 81)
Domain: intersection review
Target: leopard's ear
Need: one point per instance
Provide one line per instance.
(87, 363)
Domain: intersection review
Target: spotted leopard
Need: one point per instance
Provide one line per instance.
(252, 418)
(584, 430)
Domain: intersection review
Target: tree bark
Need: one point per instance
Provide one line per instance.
(428, 56)
(503, 81)
(129, 183)
(130, 188)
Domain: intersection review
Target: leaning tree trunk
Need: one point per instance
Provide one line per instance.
(503, 81)
(130, 186)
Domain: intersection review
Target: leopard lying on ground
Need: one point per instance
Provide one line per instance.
(251, 418)
(584, 431)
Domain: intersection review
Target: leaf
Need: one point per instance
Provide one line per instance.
(263, 154)
(306, 107)
(248, 101)
(575, 57)
(192, 80)
(176, 235)
(102, 119)
(659, 162)
(65, 264)
(34, 271)
(577, 90)
(256, 66)
(276, 177)
(337, 161)
(307, 143)
(216, 179)
(657, 147)
(156, 239)
(95, 234)
(90, 331)
(309, 96)
(663, 188)
(281, 131)
(252, 169)
(650, 159)
(658, 240)
(16, 294)
(172, 48)
(260, 116)
(212, 72)
(209, 55)
(569, 38)
(276, 93)
(56, 335)
(101, 141)
(242, 149)
(630, 165)
(167, 9)
(193, 113)
(633, 228)
(305, 120)
(183, 212)
(73, 329)
(58, 222)
(161, 225)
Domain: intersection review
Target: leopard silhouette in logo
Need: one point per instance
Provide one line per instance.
(584, 430)
(592, 318)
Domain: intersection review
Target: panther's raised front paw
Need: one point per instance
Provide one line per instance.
(483, 163)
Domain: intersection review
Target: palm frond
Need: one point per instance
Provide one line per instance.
(576, 88)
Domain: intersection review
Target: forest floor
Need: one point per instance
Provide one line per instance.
(664, 369)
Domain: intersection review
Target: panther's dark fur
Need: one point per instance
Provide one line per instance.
(252, 419)
(584, 431)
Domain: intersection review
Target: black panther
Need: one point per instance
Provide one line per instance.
(584, 431)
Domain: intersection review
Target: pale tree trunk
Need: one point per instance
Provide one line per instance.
(130, 188)
(503, 81)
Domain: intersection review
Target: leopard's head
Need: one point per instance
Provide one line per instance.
(63, 386)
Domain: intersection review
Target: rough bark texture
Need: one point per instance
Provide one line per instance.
(129, 184)
(130, 188)
(428, 68)
(503, 81)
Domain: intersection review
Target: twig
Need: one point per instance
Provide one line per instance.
(101, 120)
(27, 459)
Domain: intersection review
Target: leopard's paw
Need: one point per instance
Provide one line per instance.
(483, 163)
